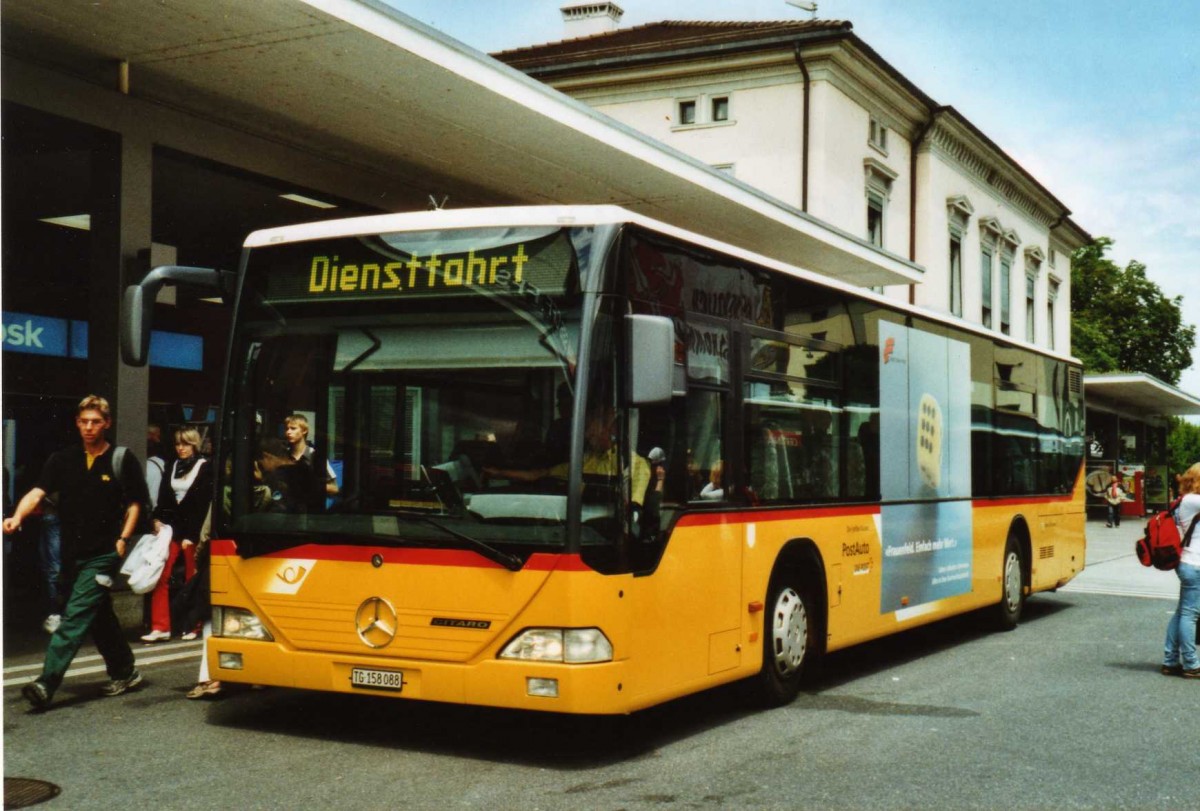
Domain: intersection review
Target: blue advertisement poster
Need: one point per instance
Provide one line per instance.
(925, 467)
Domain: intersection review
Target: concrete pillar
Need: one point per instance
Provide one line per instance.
(121, 206)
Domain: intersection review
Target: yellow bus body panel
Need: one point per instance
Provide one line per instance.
(695, 622)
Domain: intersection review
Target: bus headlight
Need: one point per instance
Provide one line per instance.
(239, 624)
(570, 645)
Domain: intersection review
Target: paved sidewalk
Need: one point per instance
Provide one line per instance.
(1113, 568)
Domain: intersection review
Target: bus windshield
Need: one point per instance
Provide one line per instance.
(394, 389)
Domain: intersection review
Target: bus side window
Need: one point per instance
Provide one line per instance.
(706, 422)
(862, 460)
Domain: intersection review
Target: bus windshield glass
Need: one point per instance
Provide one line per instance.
(379, 382)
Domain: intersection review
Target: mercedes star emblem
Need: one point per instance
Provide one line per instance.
(376, 622)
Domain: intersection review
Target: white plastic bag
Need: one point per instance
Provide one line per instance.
(144, 564)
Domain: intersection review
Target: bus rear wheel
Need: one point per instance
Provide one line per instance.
(789, 640)
(1012, 590)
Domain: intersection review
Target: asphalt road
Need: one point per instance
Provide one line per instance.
(1068, 711)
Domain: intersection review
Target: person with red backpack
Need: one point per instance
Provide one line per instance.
(1179, 654)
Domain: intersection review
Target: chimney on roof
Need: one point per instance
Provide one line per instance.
(586, 19)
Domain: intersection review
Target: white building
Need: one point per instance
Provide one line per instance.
(810, 114)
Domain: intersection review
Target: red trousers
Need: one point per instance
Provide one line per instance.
(160, 599)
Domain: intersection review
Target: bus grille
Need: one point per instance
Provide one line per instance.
(330, 627)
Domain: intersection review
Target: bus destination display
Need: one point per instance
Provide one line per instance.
(368, 269)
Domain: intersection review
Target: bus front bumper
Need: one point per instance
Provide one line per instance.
(552, 687)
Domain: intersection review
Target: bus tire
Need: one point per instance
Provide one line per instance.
(1012, 585)
(790, 644)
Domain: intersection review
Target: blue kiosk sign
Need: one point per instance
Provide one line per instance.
(68, 338)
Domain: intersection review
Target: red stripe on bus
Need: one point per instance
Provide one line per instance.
(749, 517)
(540, 561)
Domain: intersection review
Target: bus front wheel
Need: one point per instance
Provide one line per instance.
(789, 639)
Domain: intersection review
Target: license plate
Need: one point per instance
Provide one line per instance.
(377, 679)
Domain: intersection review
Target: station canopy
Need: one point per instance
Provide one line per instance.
(360, 83)
(1138, 393)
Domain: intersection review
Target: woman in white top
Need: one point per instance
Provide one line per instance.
(1179, 655)
(183, 500)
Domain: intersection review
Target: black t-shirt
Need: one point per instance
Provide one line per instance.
(92, 503)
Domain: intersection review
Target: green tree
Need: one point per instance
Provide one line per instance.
(1121, 321)
(1183, 445)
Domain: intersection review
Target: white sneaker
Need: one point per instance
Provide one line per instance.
(156, 636)
(51, 623)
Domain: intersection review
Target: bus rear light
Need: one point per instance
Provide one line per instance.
(569, 645)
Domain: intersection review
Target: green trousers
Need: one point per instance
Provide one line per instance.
(89, 607)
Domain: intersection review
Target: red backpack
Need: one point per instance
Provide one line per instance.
(1161, 546)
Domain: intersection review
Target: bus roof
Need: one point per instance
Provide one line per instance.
(511, 216)
(568, 216)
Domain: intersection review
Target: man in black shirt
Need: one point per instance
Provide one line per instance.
(295, 431)
(99, 508)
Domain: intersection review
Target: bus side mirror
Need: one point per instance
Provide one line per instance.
(650, 361)
(137, 306)
(137, 310)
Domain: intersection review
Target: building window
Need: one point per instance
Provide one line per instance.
(985, 279)
(879, 177)
(687, 112)
(1051, 299)
(1008, 247)
(875, 204)
(720, 108)
(1030, 289)
(703, 111)
(1033, 269)
(956, 297)
(990, 234)
(1006, 293)
(958, 214)
(877, 135)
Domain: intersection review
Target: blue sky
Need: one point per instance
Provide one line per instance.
(1099, 100)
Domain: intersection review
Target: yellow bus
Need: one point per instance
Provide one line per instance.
(572, 459)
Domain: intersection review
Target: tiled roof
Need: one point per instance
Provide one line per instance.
(659, 37)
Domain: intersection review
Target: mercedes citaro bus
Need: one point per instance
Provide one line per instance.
(576, 460)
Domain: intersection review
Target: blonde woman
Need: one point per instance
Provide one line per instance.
(1179, 654)
(183, 500)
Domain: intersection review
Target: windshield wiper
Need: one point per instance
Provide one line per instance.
(510, 562)
(261, 543)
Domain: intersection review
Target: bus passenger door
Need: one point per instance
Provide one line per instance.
(690, 606)
(688, 610)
